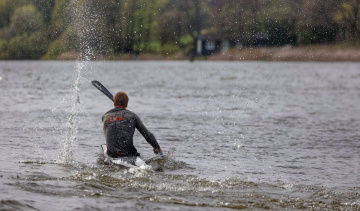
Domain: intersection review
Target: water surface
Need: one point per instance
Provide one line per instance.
(240, 135)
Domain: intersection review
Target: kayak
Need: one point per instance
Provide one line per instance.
(130, 162)
(134, 161)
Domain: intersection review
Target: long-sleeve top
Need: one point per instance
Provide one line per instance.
(119, 128)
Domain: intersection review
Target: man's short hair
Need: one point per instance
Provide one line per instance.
(121, 99)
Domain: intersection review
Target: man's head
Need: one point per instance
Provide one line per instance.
(121, 100)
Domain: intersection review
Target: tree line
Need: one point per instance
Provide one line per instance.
(45, 29)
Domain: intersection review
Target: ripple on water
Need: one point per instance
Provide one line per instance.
(167, 187)
(15, 205)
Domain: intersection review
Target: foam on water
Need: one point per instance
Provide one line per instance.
(190, 190)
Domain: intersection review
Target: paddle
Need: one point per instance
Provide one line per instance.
(102, 88)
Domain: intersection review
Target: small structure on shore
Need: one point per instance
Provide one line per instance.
(209, 44)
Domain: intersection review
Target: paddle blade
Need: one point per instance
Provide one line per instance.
(102, 88)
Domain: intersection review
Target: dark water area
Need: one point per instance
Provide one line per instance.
(239, 135)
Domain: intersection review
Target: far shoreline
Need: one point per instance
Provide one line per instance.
(316, 53)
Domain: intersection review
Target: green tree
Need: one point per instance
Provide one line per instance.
(236, 19)
(136, 25)
(172, 22)
(7, 8)
(146, 24)
(348, 17)
(25, 46)
(27, 38)
(27, 19)
(114, 26)
(181, 20)
(315, 22)
(277, 19)
(45, 7)
(61, 17)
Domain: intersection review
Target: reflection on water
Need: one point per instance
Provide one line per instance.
(247, 135)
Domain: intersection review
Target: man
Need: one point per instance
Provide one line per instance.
(119, 127)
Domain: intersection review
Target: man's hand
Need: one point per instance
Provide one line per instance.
(158, 151)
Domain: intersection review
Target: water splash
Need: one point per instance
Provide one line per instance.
(140, 171)
(65, 155)
(86, 26)
(171, 163)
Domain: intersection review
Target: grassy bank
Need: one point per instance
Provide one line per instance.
(286, 53)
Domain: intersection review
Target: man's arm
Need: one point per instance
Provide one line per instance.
(149, 137)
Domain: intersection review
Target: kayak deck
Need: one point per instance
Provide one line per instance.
(157, 162)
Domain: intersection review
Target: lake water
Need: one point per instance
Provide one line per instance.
(255, 135)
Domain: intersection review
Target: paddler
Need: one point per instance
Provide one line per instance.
(119, 127)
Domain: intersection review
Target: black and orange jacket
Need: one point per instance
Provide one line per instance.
(119, 128)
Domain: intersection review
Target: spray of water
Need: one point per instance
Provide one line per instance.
(65, 155)
(87, 26)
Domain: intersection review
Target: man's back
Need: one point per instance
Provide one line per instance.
(119, 127)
